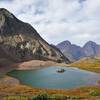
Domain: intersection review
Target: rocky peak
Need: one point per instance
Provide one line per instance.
(6, 13)
(90, 44)
(65, 43)
(91, 49)
(10, 25)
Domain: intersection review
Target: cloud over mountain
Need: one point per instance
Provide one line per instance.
(56, 20)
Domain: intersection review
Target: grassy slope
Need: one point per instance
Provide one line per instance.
(91, 64)
(88, 93)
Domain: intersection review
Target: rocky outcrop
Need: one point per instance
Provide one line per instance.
(20, 42)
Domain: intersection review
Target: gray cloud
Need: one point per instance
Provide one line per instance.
(58, 20)
(5, 0)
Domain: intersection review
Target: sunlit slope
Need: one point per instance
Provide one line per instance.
(89, 63)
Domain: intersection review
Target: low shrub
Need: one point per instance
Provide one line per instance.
(95, 93)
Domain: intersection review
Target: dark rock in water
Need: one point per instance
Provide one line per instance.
(19, 41)
(61, 71)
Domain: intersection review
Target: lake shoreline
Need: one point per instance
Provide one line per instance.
(29, 65)
(32, 65)
(38, 64)
(8, 80)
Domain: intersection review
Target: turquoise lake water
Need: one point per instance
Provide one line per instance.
(51, 79)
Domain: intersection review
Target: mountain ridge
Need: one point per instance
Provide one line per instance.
(76, 52)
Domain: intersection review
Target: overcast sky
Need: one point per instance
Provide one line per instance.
(57, 20)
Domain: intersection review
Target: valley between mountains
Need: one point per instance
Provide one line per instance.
(23, 49)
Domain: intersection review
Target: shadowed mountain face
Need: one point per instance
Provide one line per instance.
(74, 52)
(19, 41)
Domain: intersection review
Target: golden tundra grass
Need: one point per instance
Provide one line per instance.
(88, 64)
(83, 93)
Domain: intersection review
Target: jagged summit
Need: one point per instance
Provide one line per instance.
(92, 49)
(10, 25)
(66, 42)
(90, 43)
(6, 13)
(3, 10)
(19, 41)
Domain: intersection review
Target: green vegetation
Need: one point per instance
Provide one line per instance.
(42, 97)
(95, 93)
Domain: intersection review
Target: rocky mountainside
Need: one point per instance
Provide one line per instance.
(74, 52)
(91, 49)
(20, 42)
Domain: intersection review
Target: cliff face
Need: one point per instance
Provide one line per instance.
(19, 41)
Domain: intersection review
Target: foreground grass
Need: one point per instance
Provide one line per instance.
(90, 64)
(42, 97)
(27, 93)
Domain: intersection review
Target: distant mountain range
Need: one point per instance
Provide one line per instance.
(75, 52)
(19, 42)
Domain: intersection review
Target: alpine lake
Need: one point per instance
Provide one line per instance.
(56, 77)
